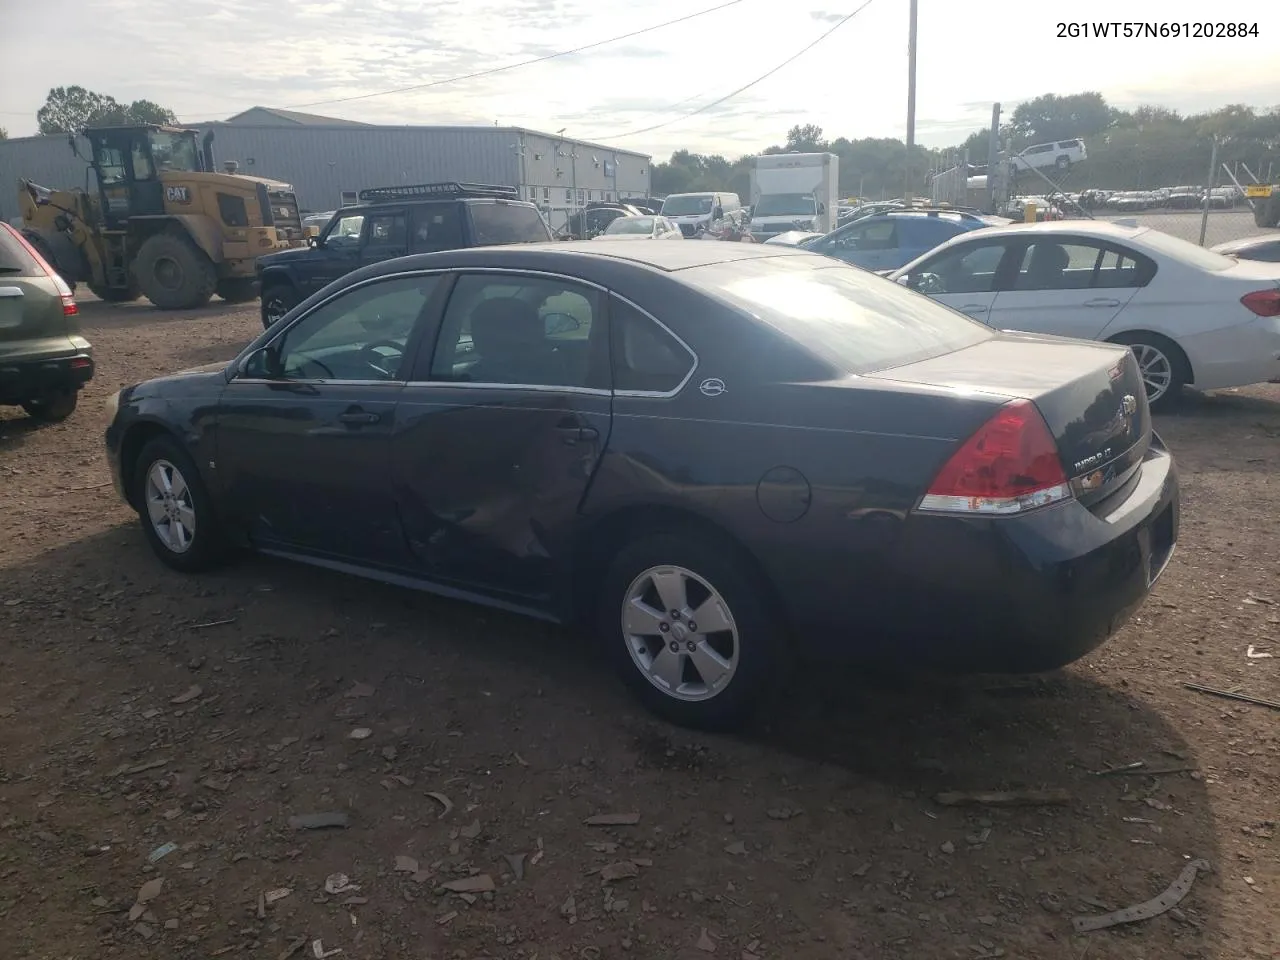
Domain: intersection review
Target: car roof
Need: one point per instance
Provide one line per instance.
(655, 254)
(1089, 228)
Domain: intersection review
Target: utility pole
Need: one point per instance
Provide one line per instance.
(911, 102)
(993, 157)
(1208, 189)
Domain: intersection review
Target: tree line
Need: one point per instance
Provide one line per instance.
(1127, 149)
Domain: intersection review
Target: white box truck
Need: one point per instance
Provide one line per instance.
(794, 191)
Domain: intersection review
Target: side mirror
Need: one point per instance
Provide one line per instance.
(905, 280)
(313, 240)
(822, 209)
(262, 364)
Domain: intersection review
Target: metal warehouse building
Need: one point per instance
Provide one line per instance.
(328, 160)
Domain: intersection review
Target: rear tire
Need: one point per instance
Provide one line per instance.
(238, 290)
(713, 679)
(174, 273)
(115, 294)
(54, 407)
(1161, 362)
(175, 509)
(1266, 212)
(277, 300)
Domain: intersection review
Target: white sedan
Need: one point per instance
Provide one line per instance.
(641, 228)
(1190, 315)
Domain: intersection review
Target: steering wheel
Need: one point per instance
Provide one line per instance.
(303, 364)
(387, 366)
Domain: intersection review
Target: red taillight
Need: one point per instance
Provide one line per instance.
(1265, 303)
(69, 308)
(1010, 465)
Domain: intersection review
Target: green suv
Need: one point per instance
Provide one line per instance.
(43, 359)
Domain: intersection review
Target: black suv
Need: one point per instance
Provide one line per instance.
(394, 222)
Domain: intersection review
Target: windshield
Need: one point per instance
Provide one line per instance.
(853, 319)
(174, 151)
(785, 205)
(631, 225)
(1185, 251)
(686, 205)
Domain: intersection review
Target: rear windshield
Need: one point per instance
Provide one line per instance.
(495, 223)
(853, 319)
(1184, 250)
(14, 259)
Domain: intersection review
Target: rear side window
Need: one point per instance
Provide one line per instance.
(853, 319)
(497, 223)
(646, 358)
(14, 259)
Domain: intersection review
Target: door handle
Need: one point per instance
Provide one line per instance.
(572, 431)
(11, 292)
(1102, 302)
(974, 308)
(359, 417)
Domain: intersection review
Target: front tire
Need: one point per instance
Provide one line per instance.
(707, 675)
(1163, 366)
(174, 273)
(116, 294)
(53, 407)
(175, 508)
(277, 300)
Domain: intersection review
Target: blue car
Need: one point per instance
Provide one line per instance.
(887, 241)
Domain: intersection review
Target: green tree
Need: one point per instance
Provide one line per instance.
(806, 139)
(1051, 117)
(71, 109)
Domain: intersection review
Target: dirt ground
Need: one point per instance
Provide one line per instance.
(140, 708)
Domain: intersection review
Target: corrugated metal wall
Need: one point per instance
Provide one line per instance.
(323, 161)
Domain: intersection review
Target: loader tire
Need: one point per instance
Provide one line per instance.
(116, 294)
(174, 273)
(1266, 212)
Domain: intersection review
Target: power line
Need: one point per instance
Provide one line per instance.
(747, 86)
(523, 63)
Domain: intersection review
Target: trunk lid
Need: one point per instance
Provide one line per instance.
(1090, 395)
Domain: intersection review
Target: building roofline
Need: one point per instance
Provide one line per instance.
(469, 128)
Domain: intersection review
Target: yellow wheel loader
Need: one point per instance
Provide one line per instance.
(1265, 200)
(160, 222)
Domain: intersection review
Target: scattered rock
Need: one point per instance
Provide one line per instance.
(516, 862)
(150, 890)
(359, 690)
(188, 695)
(480, 883)
(619, 871)
(1004, 798)
(948, 847)
(705, 943)
(444, 801)
(144, 931)
(613, 820)
(406, 864)
(471, 830)
(388, 753)
(737, 848)
(319, 821)
(783, 813)
(337, 883)
(447, 917)
(171, 924)
(360, 733)
(279, 893)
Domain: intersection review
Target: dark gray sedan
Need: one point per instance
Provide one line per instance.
(726, 459)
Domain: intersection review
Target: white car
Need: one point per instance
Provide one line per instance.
(641, 228)
(1191, 316)
(1060, 155)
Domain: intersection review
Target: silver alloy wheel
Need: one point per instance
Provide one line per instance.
(680, 633)
(170, 507)
(1156, 368)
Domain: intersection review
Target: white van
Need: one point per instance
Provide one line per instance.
(1060, 155)
(698, 213)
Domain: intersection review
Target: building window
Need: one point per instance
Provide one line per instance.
(568, 196)
(533, 193)
(580, 195)
(546, 193)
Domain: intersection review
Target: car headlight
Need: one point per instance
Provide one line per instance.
(112, 405)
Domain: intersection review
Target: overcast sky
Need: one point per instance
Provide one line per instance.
(227, 55)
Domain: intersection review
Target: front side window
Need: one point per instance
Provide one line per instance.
(518, 330)
(359, 335)
(967, 268)
(174, 151)
(344, 233)
(878, 235)
(110, 162)
(387, 231)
